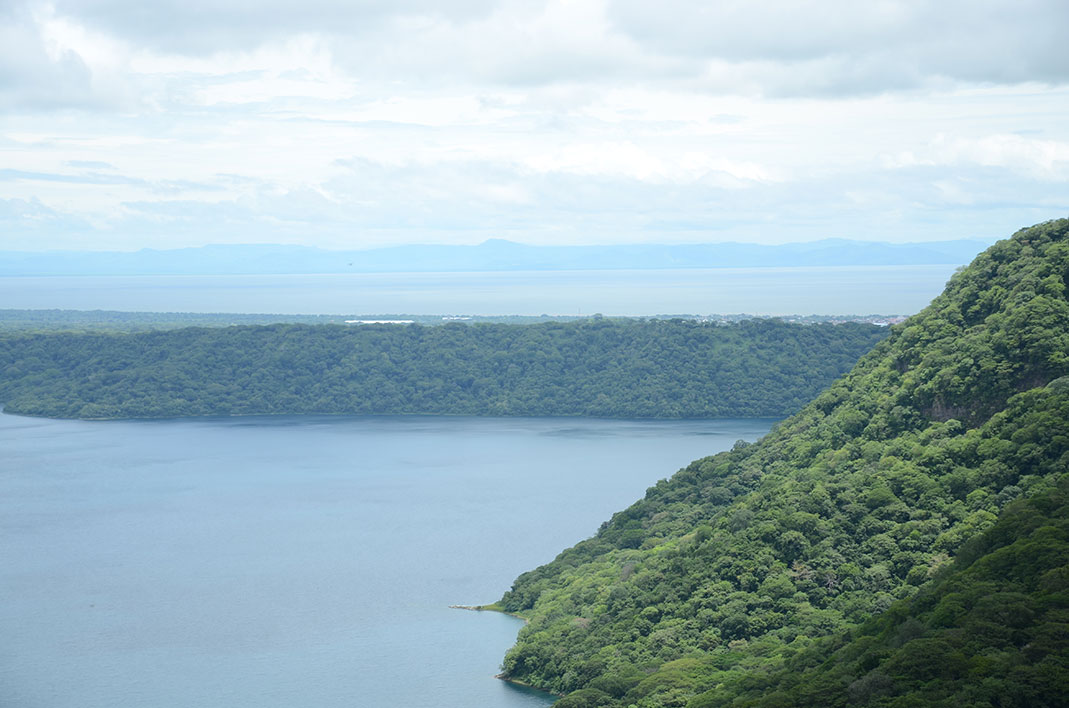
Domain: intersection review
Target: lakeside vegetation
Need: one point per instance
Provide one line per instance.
(596, 367)
(901, 541)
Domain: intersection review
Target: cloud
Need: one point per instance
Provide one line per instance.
(773, 48)
(805, 47)
(350, 123)
(198, 27)
(48, 62)
(368, 203)
(85, 178)
(471, 201)
(91, 164)
(1046, 160)
(27, 224)
(33, 74)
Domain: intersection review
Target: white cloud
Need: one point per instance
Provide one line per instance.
(629, 160)
(776, 47)
(583, 120)
(205, 27)
(1041, 159)
(35, 73)
(802, 47)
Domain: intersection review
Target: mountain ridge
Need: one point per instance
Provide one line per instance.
(596, 367)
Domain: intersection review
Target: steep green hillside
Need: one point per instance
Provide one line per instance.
(992, 629)
(725, 572)
(598, 367)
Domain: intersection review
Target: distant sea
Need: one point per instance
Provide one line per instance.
(826, 290)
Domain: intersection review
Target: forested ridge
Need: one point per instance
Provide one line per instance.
(855, 555)
(596, 367)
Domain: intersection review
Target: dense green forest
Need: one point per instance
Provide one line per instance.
(595, 367)
(991, 629)
(855, 555)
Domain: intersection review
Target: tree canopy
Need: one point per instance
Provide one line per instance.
(855, 555)
(597, 367)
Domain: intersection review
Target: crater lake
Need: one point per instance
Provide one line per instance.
(286, 561)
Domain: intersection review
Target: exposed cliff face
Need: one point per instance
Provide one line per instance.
(737, 563)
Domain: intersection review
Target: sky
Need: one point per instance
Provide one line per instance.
(127, 124)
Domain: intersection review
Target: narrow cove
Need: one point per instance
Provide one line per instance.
(312, 560)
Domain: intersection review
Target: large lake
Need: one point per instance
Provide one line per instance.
(840, 290)
(261, 562)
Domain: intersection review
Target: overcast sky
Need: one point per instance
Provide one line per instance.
(347, 124)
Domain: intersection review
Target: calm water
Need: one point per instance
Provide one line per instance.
(860, 290)
(296, 561)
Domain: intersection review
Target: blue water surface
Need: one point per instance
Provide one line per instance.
(310, 561)
(824, 290)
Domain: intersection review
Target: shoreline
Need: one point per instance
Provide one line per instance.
(492, 607)
(496, 608)
(524, 684)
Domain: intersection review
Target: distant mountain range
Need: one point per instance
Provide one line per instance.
(492, 255)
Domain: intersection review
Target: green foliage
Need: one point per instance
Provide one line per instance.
(735, 581)
(597, 367)
(991, 630)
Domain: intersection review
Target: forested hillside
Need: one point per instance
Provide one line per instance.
(714, 589)
(597, 367)
(992, 629)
